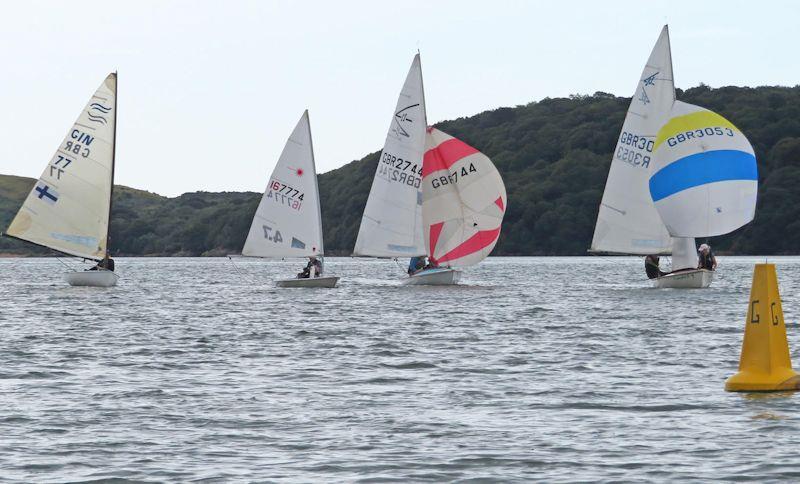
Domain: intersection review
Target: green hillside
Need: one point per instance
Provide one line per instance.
(553, 154)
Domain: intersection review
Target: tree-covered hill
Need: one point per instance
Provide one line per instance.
(554, 157)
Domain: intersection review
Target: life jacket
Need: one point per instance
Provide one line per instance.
(651, 268)
(707, 261)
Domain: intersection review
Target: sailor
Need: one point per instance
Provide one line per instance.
(706, 259)
(415, 265)
(652, 267)
(313, 265)
(107, 263)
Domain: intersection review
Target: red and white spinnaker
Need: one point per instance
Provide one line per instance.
(463, 201)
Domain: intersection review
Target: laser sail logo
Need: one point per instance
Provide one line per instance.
(402, 121)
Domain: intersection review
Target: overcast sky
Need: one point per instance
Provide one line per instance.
(210, 90)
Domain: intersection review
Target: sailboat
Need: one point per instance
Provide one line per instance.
(628, 221)
(445, 220)
(69, 208)
(463, 204)
(704, 181)
(288, 220)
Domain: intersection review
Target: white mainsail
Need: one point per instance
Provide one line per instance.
(288, 220)
(628, 222)
(704, 175)
(463, 201)
(69, 207)
(391, 225)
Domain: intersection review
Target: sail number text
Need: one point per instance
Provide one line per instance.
(58, 165)
(393, 168)
(699, 133)
(285, 194)
(452, 178)
(77, 144)
(630, 147)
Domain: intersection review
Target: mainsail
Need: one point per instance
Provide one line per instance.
(288, 221)
(628, 222)
(391, 225)
(463, 201)
(705, 178)
(69, 207)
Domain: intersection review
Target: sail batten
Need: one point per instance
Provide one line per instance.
(288, 222)
(391, 225)
(69, 207)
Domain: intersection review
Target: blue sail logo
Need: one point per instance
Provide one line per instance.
(647, 81)
(97, 113)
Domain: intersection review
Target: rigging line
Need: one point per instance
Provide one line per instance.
(70, 267)
(243, 275)
(398, 265)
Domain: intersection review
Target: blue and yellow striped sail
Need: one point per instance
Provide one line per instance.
(704, 178)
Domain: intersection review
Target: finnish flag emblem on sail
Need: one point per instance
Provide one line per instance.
(46, 193)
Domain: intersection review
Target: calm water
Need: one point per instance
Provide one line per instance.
(556, 369)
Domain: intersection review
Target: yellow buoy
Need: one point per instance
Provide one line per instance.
(765, 364)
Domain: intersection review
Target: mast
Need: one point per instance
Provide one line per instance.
(113, 159)
(671, 67)
(422, 91)
(316, 185)
(425, 124)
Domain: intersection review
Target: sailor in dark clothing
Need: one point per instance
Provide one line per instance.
(313, 265)
(415, 265)
(107, 263)
(652, 267)
(706, 259)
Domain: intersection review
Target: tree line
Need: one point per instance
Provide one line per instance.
(553, 154)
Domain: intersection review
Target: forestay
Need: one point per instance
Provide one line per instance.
(628, 221)
(391, 225)
(288, 222)
(463, 201)
(705, 178)
(68, 208)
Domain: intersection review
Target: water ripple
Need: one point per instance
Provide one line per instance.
(189, 372)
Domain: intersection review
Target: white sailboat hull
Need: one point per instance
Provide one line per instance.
(434, 277)
(691, 279)
(329, 282)
(91, 278)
